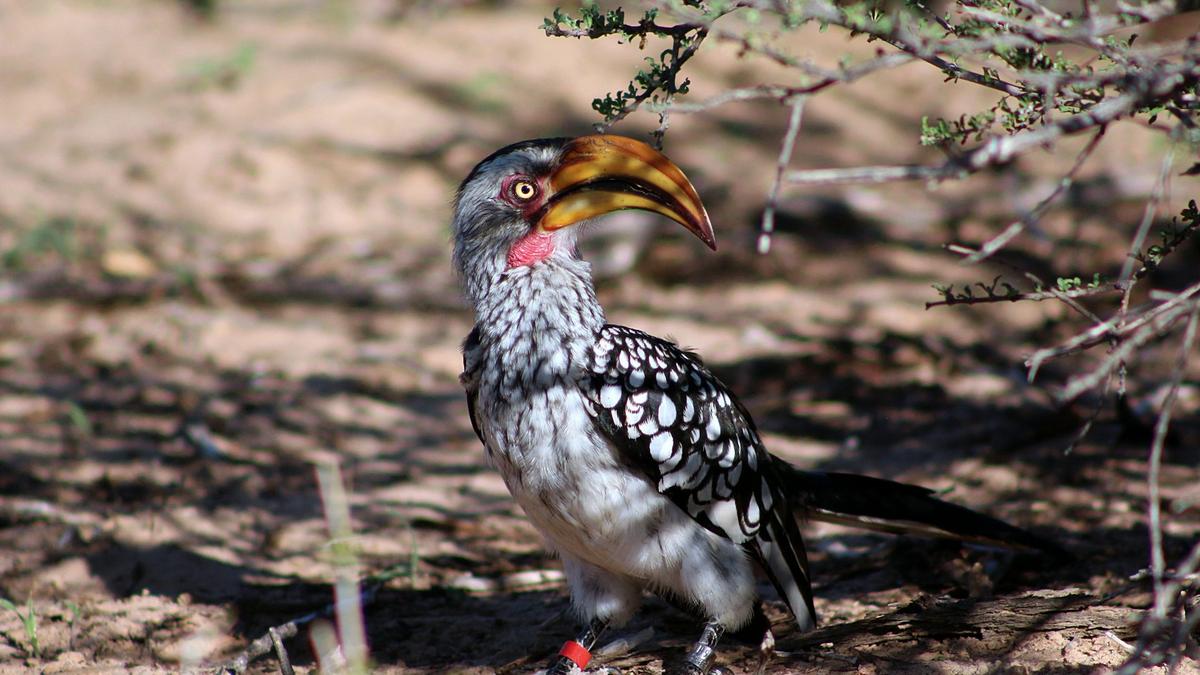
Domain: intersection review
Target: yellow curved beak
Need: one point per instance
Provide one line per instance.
(600, 174)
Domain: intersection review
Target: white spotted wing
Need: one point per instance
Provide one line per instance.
(676, 421)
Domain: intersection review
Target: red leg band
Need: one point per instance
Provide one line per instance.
(575, 651)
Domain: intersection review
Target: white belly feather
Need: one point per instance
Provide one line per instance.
(575, 490)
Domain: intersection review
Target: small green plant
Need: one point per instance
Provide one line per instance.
(29, 621)
(414, 558)
(78, 418)
(57, 237)
(483, 92)
(203, 8)
(225, 72)
(350, 636)
(73, 620)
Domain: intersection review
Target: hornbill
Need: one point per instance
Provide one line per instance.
(639, 467)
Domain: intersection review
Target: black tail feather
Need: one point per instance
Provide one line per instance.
(881, 504)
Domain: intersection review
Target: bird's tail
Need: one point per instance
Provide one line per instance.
(900, 508)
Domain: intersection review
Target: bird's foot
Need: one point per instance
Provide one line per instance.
(575, 654)
(565, 666)
(688, 669)
(700, 659)
(766, 650)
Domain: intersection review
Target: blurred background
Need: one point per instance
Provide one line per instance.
(224, 257)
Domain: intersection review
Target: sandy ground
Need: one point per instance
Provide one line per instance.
(223, 257)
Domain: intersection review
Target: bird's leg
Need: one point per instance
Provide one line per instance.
(766, 650)
(699, 661)
(577, 652)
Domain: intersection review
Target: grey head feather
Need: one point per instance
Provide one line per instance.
(485, 227)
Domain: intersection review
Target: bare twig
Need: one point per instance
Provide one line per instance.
(1139, 239)
(349, 599)
(777, 92)
(1157, 558)
(264, 644)
(1162, 637)
(997, 150)
(998, 242)
(285, 663)
(1107, 330)
(958, 72)
(873, 174)
(785, 93)
(745, 44)
(1120, 643)
(1127, 280)
(785, 157)
(1149, 264)
(1162, 324)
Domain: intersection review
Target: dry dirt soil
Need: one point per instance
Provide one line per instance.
(223, 259)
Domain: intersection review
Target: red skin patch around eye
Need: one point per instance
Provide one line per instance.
(529, 207)
(533, 247)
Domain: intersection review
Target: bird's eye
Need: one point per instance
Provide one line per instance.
(524, 190)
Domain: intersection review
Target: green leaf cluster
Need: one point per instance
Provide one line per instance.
(658, 79)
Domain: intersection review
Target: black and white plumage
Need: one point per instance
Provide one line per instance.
(665, 411)
(639, 467)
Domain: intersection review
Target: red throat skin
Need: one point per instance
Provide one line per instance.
(533, 247)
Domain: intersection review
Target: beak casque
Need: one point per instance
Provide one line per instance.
(600, 174)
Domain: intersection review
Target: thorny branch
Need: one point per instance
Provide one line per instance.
(1161, 316)
(1015, 49)
(1001, 240)
(1175, 236)
(1163, 637)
